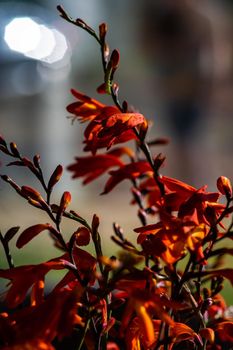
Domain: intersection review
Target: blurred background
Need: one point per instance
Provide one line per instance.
(176, 68)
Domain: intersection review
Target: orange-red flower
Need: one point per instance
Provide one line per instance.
(108, 125)
(86, 108)
(34, 344)
(86, 266)
(111, 127)
(184, 199)
(225, 331)
(24, 277)
(128, 171)
(224, 186)
(38, 325)
(92, 167)
(171, 237)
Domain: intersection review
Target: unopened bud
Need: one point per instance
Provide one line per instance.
(224, 186)
(143, 130)
(114, 59)
(142, 216)
(158, 161)
(208, 334)
(82, 236)
(2, 141)
(65, 200)
(95, 223)
(14, 149)
(102, 31)
(106, 51)
(101, 89)
(55, 177)
(36, 161)
(32, 193)
(28, 163)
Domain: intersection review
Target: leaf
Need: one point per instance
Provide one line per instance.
(28, 234)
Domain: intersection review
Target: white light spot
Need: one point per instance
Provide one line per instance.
(45, 46)
(59, 50)
(36, 41)
(22, 34)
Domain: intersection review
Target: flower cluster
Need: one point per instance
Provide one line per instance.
(161, 293)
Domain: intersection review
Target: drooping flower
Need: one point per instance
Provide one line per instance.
(35, 327)
(225, 331)
(22, 278)
(170, 237)
(128, 171)
(111, 127)
(86, 108)
(108, 125)
(91, 167)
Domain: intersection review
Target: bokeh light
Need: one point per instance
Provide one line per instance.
(22, 34)
(35, 41)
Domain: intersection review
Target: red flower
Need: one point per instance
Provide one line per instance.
(128, 171)
(107, 125)
(24, 277)
(92, 167)
(184, 199)
(111, 127)
(86, 108)
(170, 238)
(38, 325)
(225, 331)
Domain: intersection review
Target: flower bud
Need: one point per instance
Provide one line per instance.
(55, 177)
(32, 193)
(65, 200)
(208, 334)
(14, 149)
(95, 222)
(115, 58)
(82, 236)
(2, 141)
(224, 186)
(36, 161)
(102, 31)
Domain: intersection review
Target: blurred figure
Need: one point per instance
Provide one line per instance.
(179, 42)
